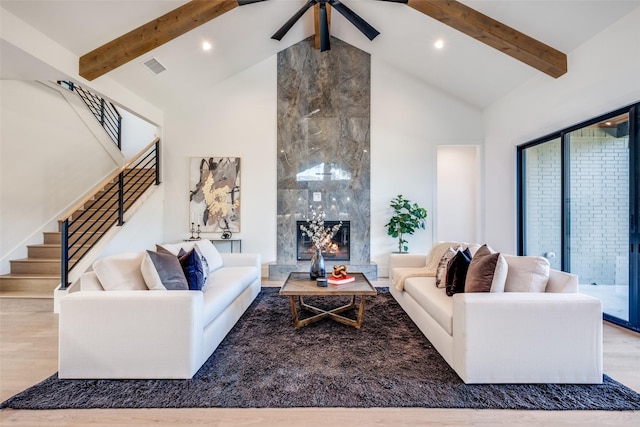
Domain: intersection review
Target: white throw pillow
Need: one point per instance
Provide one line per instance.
(209, 251)
(121, 272)
(526, 273)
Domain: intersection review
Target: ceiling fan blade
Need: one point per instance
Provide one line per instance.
(245, 2)
(278, 35)
(325, 44)
(352, 17)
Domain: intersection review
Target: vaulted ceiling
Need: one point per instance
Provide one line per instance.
(465, 68)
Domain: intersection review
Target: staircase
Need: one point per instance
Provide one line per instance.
(38, 275)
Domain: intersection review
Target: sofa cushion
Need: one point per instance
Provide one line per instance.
(487, 271)
(121, 272)
(526, 273)
(441, 271)
(432, 299)
(205, 248)
(213, 257)
(192, 267)
(162, 271)
(436, 252)
(224, 285)
(457, 272)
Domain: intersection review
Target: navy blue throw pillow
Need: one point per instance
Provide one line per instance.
(457, 272)
(192, 267)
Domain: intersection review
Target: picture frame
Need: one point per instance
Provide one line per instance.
(214, 194)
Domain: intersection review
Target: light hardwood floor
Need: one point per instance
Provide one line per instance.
(28, 354)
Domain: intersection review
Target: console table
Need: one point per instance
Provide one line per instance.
(232, 243)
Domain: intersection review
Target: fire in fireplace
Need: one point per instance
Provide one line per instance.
(339, 250)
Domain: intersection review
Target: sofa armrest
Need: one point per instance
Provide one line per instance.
(527, 337)
(407, 260)
(131, 334)
(241, 260)
(560, 282)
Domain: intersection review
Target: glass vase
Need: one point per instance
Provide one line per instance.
(317, 265)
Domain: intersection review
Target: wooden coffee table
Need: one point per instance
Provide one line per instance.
(299, 285)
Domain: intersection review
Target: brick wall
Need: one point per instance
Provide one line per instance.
(599, 203)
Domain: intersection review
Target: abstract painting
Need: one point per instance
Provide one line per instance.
(214, 195)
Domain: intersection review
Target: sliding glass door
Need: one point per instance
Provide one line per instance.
(598, 212)
(578, 208)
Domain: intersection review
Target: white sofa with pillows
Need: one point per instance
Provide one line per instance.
(500, 319)
(154, 314)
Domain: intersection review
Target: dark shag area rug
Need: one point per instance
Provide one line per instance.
(264, 362)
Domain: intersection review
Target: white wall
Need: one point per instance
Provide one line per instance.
(458, 207)
(604, 74)
(137, 133)
(409, 120)
(238, 118)
(38, 178)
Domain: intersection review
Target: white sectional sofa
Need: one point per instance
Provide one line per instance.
(129, 331)
(553, 336)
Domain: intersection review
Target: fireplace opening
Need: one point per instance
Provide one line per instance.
(339, 249)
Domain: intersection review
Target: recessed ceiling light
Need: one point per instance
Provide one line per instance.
(206, 45)
(439, 44)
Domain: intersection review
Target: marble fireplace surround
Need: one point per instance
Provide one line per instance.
(323, 148)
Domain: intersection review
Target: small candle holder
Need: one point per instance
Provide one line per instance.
(192, 229)
(198, 232)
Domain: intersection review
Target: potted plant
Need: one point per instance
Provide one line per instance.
(408, 217)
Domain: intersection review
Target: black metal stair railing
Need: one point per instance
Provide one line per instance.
(83, 226)
(106, 113)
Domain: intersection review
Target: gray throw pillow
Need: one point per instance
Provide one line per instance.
(163, 271)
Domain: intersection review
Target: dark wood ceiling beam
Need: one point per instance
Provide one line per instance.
(495, 34)
(151, 35)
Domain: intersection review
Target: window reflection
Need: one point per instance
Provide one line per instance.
(323, 171)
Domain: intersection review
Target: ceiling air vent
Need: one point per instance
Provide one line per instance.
(154, 66)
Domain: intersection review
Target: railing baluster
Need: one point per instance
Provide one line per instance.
(121, 198)
(157, 162)
(64, 254)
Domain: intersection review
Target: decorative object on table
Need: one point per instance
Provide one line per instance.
(341, 281)
(214, 195)
(339, 271)
(226, 233)
(198, 231)
(340, 276)
(317, 265)
(407, 219)
(320, 239)
(322, 282)
(192, 230)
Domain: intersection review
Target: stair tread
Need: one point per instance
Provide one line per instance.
(29, 276)
(30, 294)
(44, 245)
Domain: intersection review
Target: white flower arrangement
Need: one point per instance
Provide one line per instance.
(316, 231)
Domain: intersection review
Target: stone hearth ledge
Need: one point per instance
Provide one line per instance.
(280, 271)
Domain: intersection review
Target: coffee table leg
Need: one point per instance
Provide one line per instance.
(294, 311)
(360, 312)
(321, 314)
